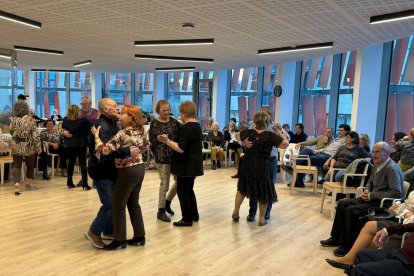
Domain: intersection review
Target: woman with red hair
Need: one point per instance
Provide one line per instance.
(131, 172)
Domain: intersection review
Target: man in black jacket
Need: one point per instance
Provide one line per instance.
(104, 173)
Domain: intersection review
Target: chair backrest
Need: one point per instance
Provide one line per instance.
(289, 152)
(406, 185)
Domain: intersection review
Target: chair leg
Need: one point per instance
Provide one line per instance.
(2, 173)
(315, 182)
(293, 180)
(323, 197)
(333, 202)
(53, 165)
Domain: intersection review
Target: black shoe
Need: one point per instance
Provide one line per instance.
(218, 164)
(287, 169)
(250, 218)
(70, 185)
(235, 176)
(196, 218)
(86, 187)
(320, 182)
(115, 245)
(329, 242)
(341, 251)
(168, 207)
(182, 223)
(161, 215)
(137, 241)
(335, 264)
(267, 216)
(46, 176)
(299, 184)
(214, 166)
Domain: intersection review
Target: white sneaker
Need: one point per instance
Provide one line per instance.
(308, 178)
(107, 237)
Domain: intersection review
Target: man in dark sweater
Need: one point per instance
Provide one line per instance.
(387, 261)
(386, 181)
(103, 172)
(299, 135)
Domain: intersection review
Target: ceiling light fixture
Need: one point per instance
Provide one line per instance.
(55, 70)
(182, 42)
(298, 48)
(38, 70)
(188, 25)
(175, 69)
(187, 59)
(5, 56)
(38, 50)
(20, 20)
(384, 18)
(82, 63)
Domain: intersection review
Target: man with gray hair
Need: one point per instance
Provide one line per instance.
(103, 172)
(386, 181)
(91, 114)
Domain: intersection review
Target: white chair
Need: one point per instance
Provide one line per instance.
(3, 160)
(52, 156)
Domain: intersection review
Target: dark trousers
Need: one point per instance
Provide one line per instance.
(80, 154)
(317, 160)
(44, 158)
(17, 166)
(253, 203)
(103, 223)
(381, 262)
(188, 201)
(126, 194)
(346, 225)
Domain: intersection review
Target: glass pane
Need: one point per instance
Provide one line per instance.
(314, 94)
(51, 93)
(272, 77)
(118, 87)
(243, 93)
(205, 89)
(180, 88)
(400, 115)
(5, 99)
(144, 87)
(346, 88)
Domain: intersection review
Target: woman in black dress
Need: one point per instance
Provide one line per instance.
(187, 162)
(255, 179)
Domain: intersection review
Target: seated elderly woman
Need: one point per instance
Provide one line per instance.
(345, 155)
(365, 238)
(232, 143)
(52, 140)
(365, 142)
(217, 145)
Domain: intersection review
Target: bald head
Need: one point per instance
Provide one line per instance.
(108, 107)
(381, 152)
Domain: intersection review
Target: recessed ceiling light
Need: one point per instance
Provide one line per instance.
(298, 48)
(174, 69)
(5, 56)
(391, 17)
(185, 59)
(82, 63)
(182, 42)
(20, 20)
(38, 50)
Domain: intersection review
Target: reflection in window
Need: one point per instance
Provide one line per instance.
(346, 88)
(314, 94)
(80, 85)
(118, 87)
(243, 93)
(144, 87)
(205, 96)
(400, 115)
(180, 88)
(272, 77)
(6, 95)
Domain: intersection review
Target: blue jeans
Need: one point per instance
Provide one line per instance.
(103, 222)
(316, 160)
(253, 203)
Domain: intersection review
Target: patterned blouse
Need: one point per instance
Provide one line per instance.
(124, 138)
(25, 136)
(163, 153)
(51, 137)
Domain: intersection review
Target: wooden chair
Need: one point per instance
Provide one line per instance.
(3, 160)
(52, 156)
(280, 162)
(227, 155)
(338, 187)
(207, 151)
(303, 169)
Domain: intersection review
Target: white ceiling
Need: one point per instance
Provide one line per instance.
(105, 31)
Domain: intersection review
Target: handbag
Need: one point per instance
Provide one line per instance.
(380, 213)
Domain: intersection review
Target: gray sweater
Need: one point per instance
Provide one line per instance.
(407, 154)
(388, 182)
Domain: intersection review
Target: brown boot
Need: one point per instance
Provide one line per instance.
(95, 240)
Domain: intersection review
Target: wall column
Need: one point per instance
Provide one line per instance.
(221, 97)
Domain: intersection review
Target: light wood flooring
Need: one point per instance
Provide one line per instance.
(42, 233)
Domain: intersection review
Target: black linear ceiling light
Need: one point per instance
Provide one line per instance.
(188, 59)
(82, 63)
(20, 20)
(306, 47)
(55, 70)
(384, 18)
(172, 69)
(182, 42)
(38, 50)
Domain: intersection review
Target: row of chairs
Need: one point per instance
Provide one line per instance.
(208, 151)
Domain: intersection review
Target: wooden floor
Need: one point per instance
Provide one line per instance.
(42, 234)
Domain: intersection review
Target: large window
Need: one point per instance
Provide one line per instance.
(346, 88)
(400, 115)
(315, 94)
(205, 96)
(243, 93)
(180, 88)
(6, 95)
(118, 87)
(144, 87)
(272, 77)
(58, 90)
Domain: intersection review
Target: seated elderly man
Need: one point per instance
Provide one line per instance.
(386, 181)
(319, 157)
